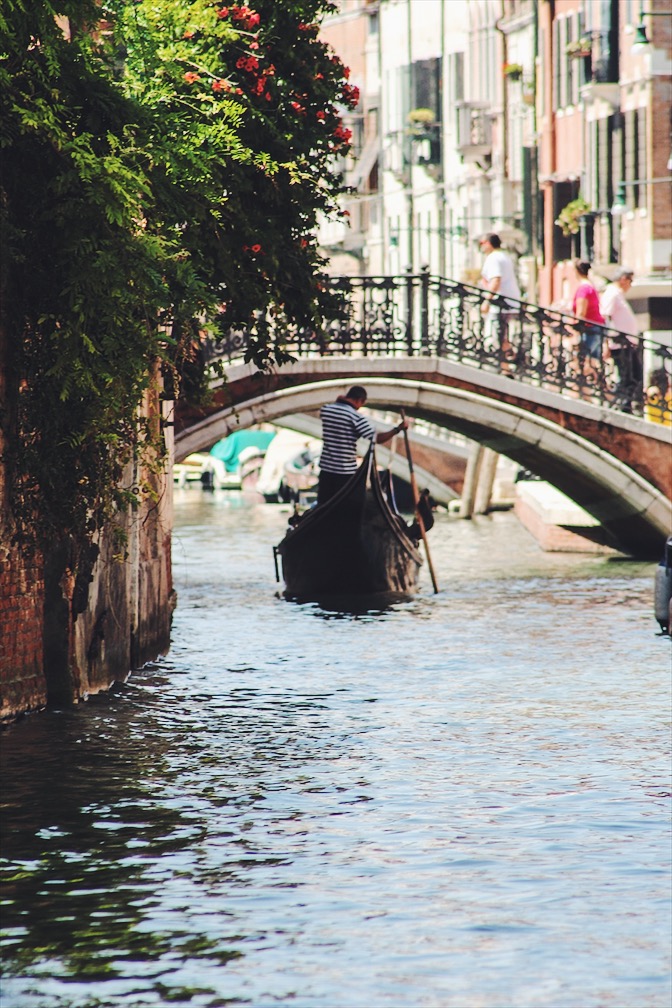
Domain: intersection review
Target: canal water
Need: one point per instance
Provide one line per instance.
(461, 801)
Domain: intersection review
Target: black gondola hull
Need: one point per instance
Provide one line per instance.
(352, 545)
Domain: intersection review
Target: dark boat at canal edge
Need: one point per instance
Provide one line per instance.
(356, 543)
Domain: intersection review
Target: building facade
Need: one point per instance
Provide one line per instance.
(547, 121)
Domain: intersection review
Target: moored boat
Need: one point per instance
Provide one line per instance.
(353, 544)
(663, 589)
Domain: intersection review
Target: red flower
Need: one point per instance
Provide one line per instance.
(343, 134)
(249, 19)
(223, 12)
(220, 85)
(191, 77)
(256, 249)
(351, 94)
(320, 116)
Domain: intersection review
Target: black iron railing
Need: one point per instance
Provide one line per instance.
(421, 315)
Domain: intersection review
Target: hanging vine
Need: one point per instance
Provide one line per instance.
(163, 163)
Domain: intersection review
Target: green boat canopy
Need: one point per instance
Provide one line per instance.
(229, 448)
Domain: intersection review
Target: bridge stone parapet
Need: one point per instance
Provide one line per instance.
(614, 465)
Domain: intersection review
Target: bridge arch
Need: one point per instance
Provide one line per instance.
(635, 513)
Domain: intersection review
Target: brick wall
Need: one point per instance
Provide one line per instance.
(72, 625)
(22, 683)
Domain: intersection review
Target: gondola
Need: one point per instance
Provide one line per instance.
(354, 544)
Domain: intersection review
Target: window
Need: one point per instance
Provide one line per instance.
(563, 193)
(604, 164)
(455, 77)
(426, 85)
(641, 160)
(630, 145)
(635, 157)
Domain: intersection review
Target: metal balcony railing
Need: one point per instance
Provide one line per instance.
(420, 315)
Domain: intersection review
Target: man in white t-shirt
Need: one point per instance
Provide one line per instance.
(624, 349)
(499, 278)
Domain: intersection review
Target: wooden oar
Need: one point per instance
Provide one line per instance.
(416, 499)
(390, 484)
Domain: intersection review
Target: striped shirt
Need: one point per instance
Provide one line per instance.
(342, 426)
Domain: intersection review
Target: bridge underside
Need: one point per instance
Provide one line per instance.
(614, 466)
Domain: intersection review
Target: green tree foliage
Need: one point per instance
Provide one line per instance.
(164, 164)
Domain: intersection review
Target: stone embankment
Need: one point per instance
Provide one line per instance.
(70, 627)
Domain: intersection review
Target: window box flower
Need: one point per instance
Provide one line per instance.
(513, 71)
(568, 218)
(580, 48)
(421, 117)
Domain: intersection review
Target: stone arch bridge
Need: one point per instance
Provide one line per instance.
(614, 465)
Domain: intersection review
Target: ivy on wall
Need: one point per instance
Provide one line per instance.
(162, 163)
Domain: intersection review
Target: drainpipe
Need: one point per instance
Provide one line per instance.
(442, 134)
(410, 201)
(505, 101)
(534, 181)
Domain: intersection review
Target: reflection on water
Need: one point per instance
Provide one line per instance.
(459, 800)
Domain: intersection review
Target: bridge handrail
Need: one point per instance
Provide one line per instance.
(419, 314)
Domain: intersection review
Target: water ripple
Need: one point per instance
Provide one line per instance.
(457, 801)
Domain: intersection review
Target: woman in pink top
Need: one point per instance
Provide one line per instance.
(586, 305)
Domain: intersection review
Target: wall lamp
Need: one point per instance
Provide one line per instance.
(620, 205)
(641, 42)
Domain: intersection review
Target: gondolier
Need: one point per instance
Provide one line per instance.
(342, 426)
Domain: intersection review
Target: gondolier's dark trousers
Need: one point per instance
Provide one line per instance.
(329, 484)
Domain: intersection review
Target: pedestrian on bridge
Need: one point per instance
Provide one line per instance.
(342, 426)
(499, 278)
(623, 346)
(586, 306)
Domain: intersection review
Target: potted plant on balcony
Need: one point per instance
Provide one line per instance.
(568, 218)
(580, 48)
(513, 71)
(420, 120)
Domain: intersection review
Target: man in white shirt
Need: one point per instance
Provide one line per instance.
(623, 346)
(499, 278)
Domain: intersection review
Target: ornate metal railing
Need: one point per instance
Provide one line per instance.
(420, 315)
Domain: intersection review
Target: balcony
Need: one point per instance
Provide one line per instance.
(474, 131)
